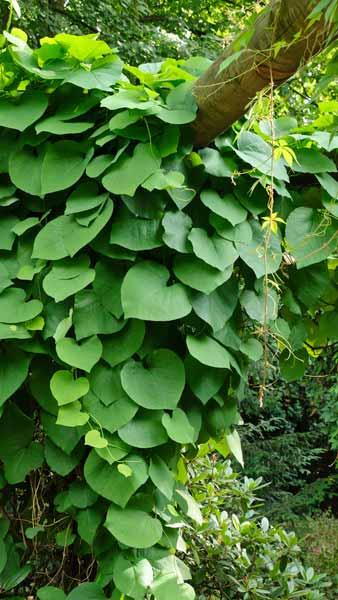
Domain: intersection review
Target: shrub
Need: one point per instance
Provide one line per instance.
(236, 552)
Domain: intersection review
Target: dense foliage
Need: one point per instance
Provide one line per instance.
(141, 30)
(292, 440)
(236, 552)
(139, 278)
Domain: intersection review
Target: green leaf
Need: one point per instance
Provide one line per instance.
(177, 226)
(67, 277)
(63, 165)
(22, 226)
(227, 206)
(252, 348)
(63, 236)
(217, 307)
(50, 592)
(217, 165)
(80, 495)
(144, 431)
(204, 381)
(91, 317)
(158, 302)
(88, 522)
(82, 356)
(310, 237)
(161, 476)
(94, 439)
(71, 415)
(178, 427)
(13, 371)
(260, 307)
(85, 197)
(63, 437)
(114, 416)
(145, 204)
(310, 160)
(87, 591)
(134, 233)
(235, 447)
(25, 460)
(14, 308)
(107, 481)
(57, 460)
(199, 275)
(214, 250)
(115, 451)
(20, 112)
(278, 128)
(66, 389)
(133, 579)
(166, 587)
(58, 127)
(258, 153)
(330, 185)
(157, 383)
(105, 384)
(293, 367)
(25, 167)
(241, 233)
(253, 252)
(58, 168)
(208, 352)
(133, 528)
(3, 555)
(7, 225)
(188, 505)
(121, 346)
(125, 176)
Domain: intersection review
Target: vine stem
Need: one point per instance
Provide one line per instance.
(10, 15)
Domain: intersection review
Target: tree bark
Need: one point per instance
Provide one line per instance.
(223, 96)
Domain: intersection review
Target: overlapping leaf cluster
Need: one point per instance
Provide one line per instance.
(138, 278)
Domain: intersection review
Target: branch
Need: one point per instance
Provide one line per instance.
(282, 41)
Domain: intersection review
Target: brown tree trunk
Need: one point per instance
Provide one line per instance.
(223, 96)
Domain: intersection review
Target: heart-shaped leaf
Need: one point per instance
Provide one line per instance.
(71, 415)
(208, 351)
(135, 233)
(63, 236)
(122, 345)
(178, 427)
(132, 527)
(21, 111)
(82, 356)
(158, 383)
(66, 389)
(214, 250)
(158, 301)
(109, 482)
(94, 438)
(68, 277)
(199, 275)
(14, 308)
(227, 207)
(144, 431)
(204, 381)
(13, 371)
(114, 416)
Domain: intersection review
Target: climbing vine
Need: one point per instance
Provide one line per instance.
(139, 277)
